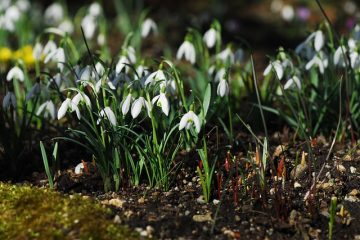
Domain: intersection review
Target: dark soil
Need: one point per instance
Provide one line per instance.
(278, 211)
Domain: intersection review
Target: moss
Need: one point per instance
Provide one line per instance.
(31, 213)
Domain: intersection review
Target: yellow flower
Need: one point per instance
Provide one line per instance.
(5, 54)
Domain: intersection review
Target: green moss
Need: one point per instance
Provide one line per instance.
(32, 213)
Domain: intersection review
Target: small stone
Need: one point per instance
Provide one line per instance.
(351, 199)
(117, 219)
(176, 189)
(116, 202)
(187, 213)
(341, 168)
(352, 169)
(202, 217)
(216, 201)
(200, 200)
(144, 233)
(141, 200)
(354, 192)
(193, 179)
(190, 184)
(347, 158)
(149, 229)
(184, 182)
(272, 191)
(297, 185)
(237, 218)
(298, 171)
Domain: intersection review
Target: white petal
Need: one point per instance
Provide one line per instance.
(50, 107)
(15, 73)
(76, 109)
(41, 108)
(165, 106)
(150, 79)
(77, 98)
(319, 40)
(196, 121)
(126, 105)
(137, 106)
(184, 121)
(110, 115)
(223, 88)
(210, 37)
(63, 108)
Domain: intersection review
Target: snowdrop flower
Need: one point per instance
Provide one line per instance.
(66, 26)
(188, 120)
(210, 37)
(23, 5)
(131, 54)
(339, 56)
(95, 9)
(101, 39)
(169, 86)
(226, 55)
(223, 88)
(49, 47)
(68, 104)
(54, 14)
(163, 102)
(37, 51)
(355, 59)
(147, 26)
(137, 105)
(34, 91)
(319, 40)
(15, 73)
(4, 4)
(187, 50)
(13, 13)
(220, 74)
(278, 69)
(318, 62)
(109, 115)
(89, 25)
(8, 100)
(81, 97)
(122, 63)
(154, 77)
(48, 108)
(57, 56)
(125, 107)
(99, 68)
(85, 74)
(294, 80)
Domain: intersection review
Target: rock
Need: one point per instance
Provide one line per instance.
(187, 213)
(200, 200)
(352, 169)
(297, 185)
(237, 218)
(351, 199)
(144, 233)
(272, 191)
(202, 217)
(347, 158)
(298, 171)
(141, 200)
(341, 168)
(354, 192)
(116, 202)
(216, 202)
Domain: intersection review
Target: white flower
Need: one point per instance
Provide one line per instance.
(57, 56)
(15, 74)
(339, 56)
(278, 69)
(226, 55)
(122, 63)
(294, 80)
(188, 120)
(81, 97)
(131, 54)
(54, 14)
(154, 77)
(85, 74)
(147, 26)
(9, 99)
(125, 107)
(99, 68)
(137, 105)
(109, 115)
(47, 107)
(23, 5)
(89, 25)
(319, 40)
(13, 13)
(223, 88)
(101, 39)
(68, 104)
(220, 74)
(37, 51)
(318, 63)
(66, 26)
(210, 37)
(187, 50)
(95, 9)
(49, 47)
(162, 102)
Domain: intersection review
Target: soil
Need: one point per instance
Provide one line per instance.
(276, 211)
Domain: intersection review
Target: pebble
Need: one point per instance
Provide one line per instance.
(272, 191)
(352, 169)
(116, 202)
(202, 217)
(141, 200)
(297, 185)
(200, 200)
(190, 184)
(237, 218)
(187, 213)
(193, 179)
(216, 201)
(117, 219)
(341, 168)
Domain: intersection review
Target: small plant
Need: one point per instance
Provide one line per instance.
(49, 173)
(332, 213)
